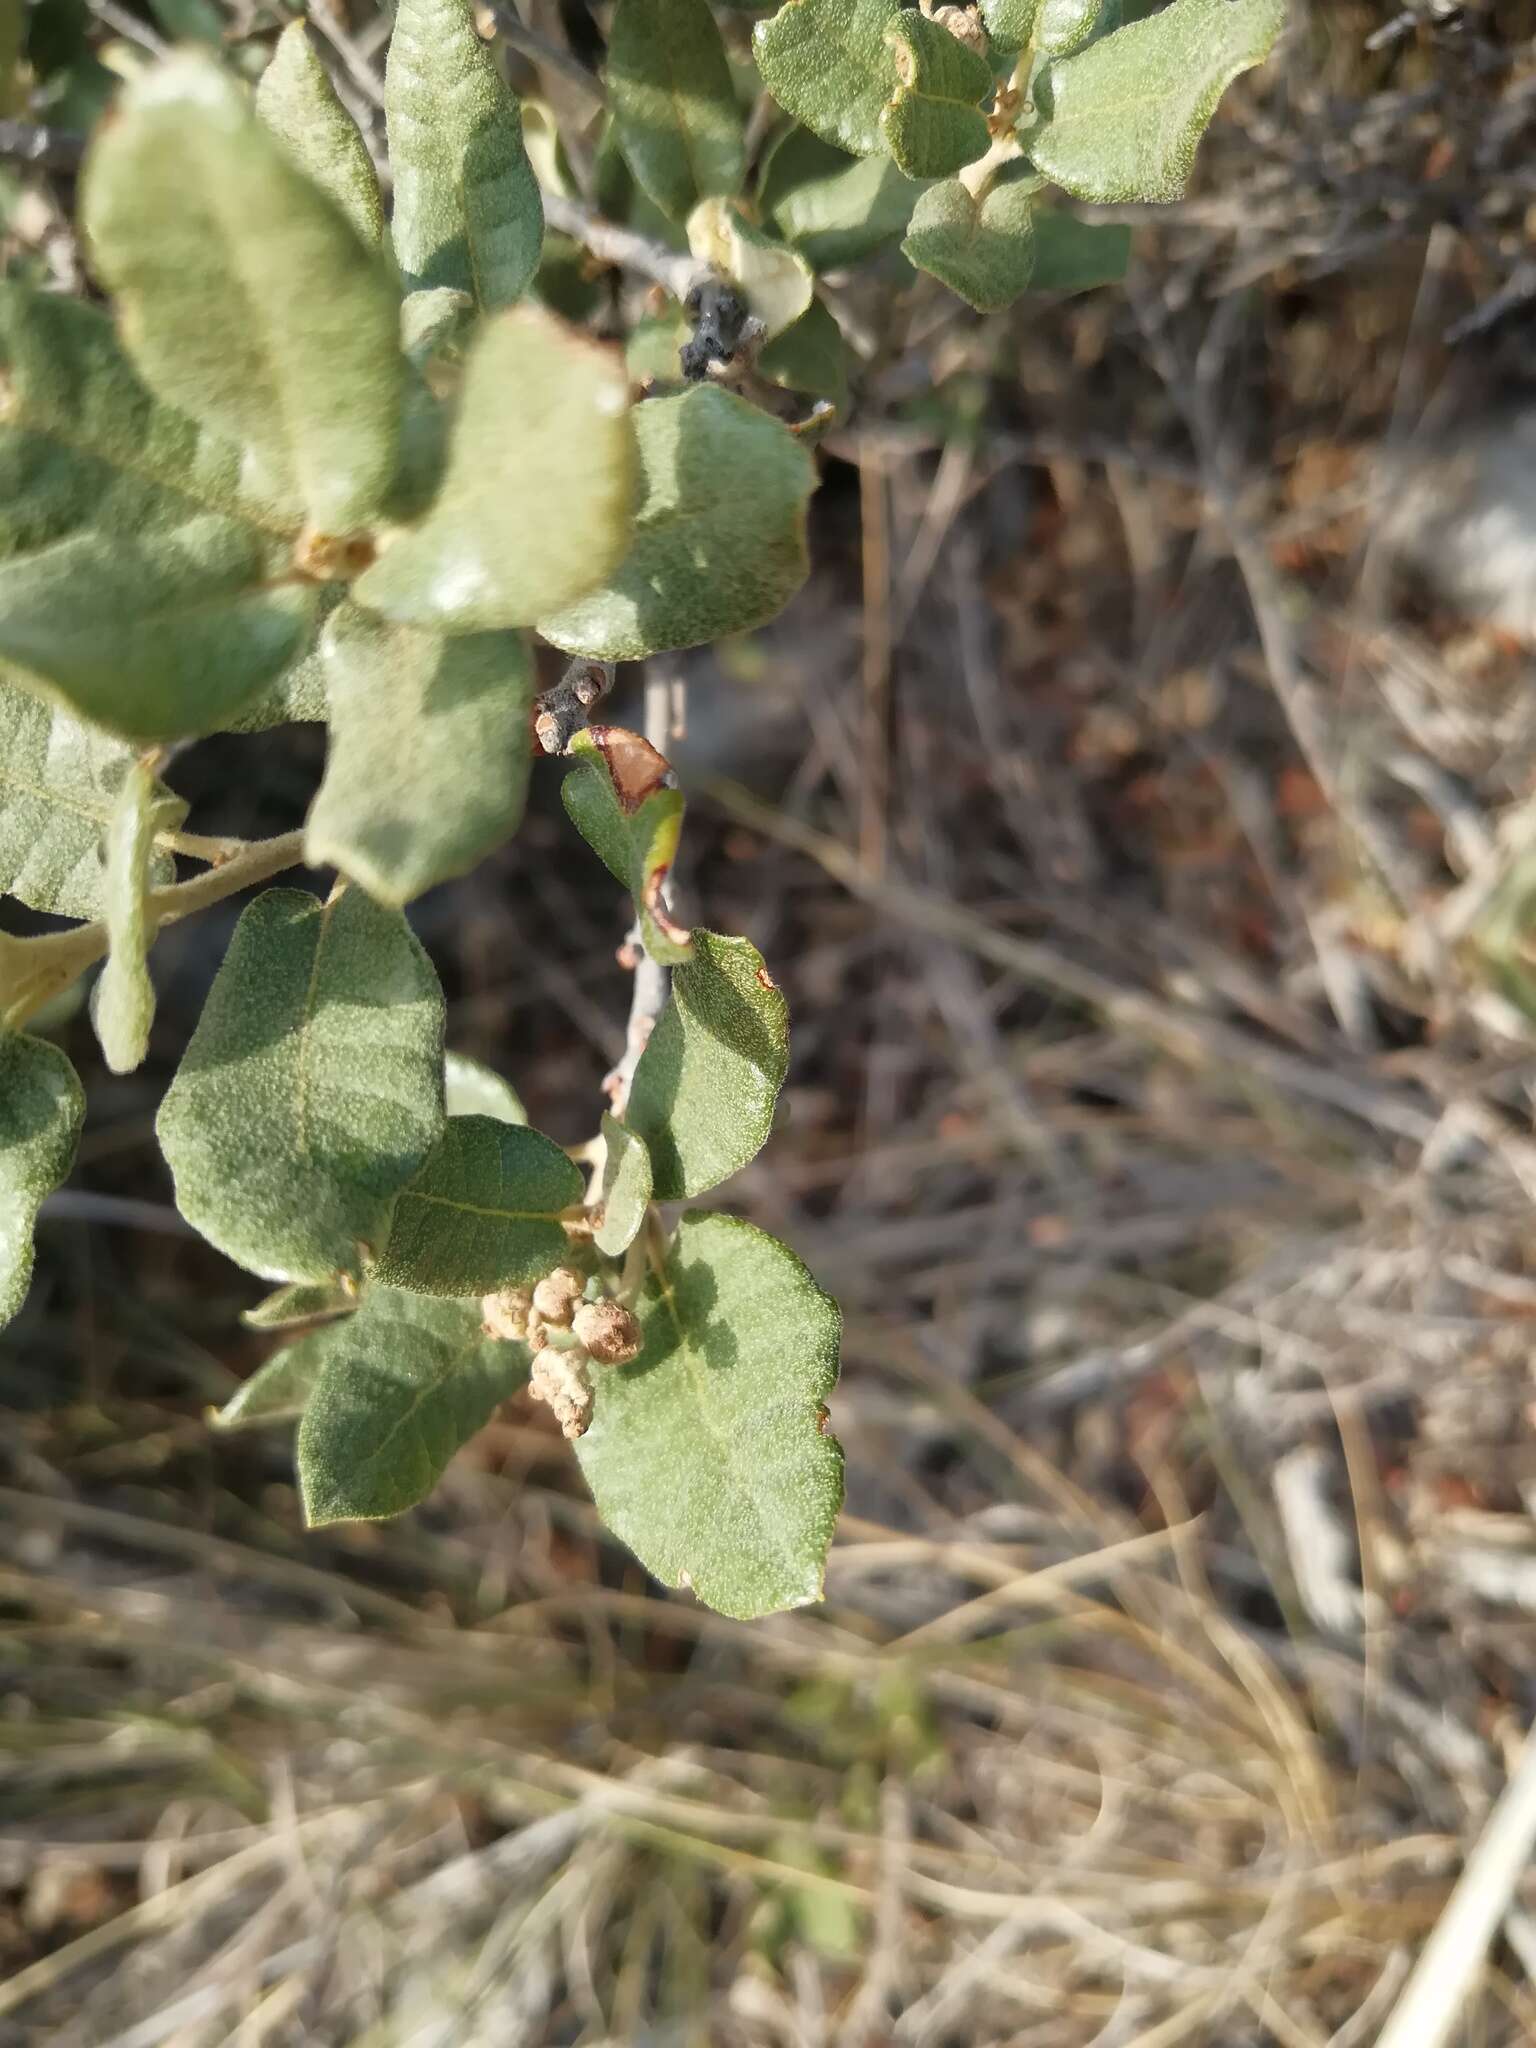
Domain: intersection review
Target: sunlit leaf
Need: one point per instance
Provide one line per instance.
(298, 1303)
(624, 800)
(775, 280)
(475, 1090)
(58, 782)
(1010, 23)
(535, 507)
(626, 1188)
(298, 102)
(828, 63)
(402, 1385)
(483, 1213)
(123, 1002)
(933, 123)
(719, 542)
(836, 209)
(708, 1455)
(467, 211)
(704, 1090)
(41, 1110)
(983, 249)
(674, 106)
(1123, 119)
(312, 1089)
(1065, 25)
(427, 763)
(246, 296)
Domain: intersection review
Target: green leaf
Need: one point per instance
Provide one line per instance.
(84, 445)
(837, 210)
(123, 1003)
(58, 782)
(155, 637)
(279, 1390)
(775, 280)
(1010, 23)
(299, 1303)
(626, 1188)
(42, 1108)
(298, 695)
(246, 295)
(427, 764)
(535, 507)
(1124, 118)
(705, 1086)
(719, 541)
(810, 356)
(707, 1455)
(402, 1386)
(1074, 255)
(674, 106)
(827, 62)
(483, 1213)
(298, 102)
(1065, 25)
(934, 124)
(436, 326)
(312, 1089)
(982, 249)
(467, 209)
(623, 798)
(475, 1090)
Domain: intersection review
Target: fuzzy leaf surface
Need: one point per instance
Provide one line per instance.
(483, 1213)
(707, 1455)
(984, 249)
(298, 102)
(402, 1386)
(467, 211)
(312, 1089)
(1124, 117)
(626, 1188)
(427, 763)
(675, 110)
(836, 209)
(622, 797)
(933, 123)
(705, 1087)
(298, 1303)
(246, 295)
(476, 1090)
(719, 541)
(278, 1390)
(535, 507)
(42, 1107)
(123, 1001)
(827, 62)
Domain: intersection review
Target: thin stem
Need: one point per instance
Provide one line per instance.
(34, 971)
(653, 983)
(622, 247)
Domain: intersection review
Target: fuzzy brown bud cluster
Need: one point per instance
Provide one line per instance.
(601, 1333)
(963, 23)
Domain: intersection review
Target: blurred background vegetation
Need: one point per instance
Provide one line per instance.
(1136, 810)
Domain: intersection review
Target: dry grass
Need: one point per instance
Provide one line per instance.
(1125, 838)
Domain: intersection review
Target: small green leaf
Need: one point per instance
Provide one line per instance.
(626, 1188)
(623, 798)
(827, 62)
(474, 1090)
(934, 124)
(1065, 25)
(674, 106)
(312, 1089)
(123, 1003)
(1010, 23)
(982, 249)
(153, 637)
(427, 764)
(298, 102)
(719, 542)
(299, 1303)
(705, 1086)
(775, 280)
(707, 1455)
(836, 209)
(1124, 118)
(467, 209)
(279, 1390)
(1074, 255)
(810, 356)
(42, 1108)
(483, 1213)
(402, 1386)
(58, 782)
(535, 507)
(246, 295)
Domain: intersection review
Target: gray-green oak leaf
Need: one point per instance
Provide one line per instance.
(42, 1107)
(483, 1213)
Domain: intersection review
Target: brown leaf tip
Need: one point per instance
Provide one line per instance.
(634, 767)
